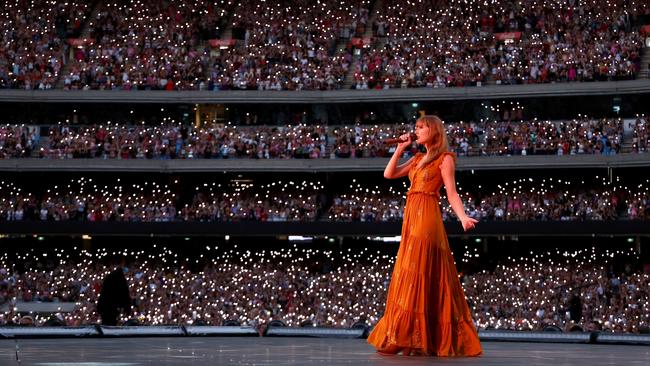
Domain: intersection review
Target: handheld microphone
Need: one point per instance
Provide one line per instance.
(399, 141)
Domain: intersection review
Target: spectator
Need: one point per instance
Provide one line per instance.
(114, 297)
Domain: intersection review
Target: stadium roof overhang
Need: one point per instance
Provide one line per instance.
(331, 96)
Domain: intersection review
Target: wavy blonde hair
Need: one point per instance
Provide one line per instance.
(440, 143)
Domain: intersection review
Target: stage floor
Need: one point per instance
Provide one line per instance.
(292, 351)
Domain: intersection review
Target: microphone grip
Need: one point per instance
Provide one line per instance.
(398, 140)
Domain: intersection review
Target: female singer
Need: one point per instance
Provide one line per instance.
(426, 311)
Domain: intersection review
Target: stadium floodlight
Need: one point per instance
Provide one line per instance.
(388, 239)
(300, 238)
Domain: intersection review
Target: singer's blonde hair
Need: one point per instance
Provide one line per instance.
(439, 140)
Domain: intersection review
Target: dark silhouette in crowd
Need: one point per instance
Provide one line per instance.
(575, 308)
(114, 297)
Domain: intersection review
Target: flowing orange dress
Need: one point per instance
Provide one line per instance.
(426, 311)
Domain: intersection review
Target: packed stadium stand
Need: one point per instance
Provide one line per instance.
(300, 45)
(328, 286)
(591, 136)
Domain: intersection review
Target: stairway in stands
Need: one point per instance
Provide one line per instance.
(85, 33)
(374, 12)
(226, 35)
(628, 133)
(626, 146)
(644, 71)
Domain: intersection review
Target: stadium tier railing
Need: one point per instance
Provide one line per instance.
(331, 96)
(307, 230)
(377, 165)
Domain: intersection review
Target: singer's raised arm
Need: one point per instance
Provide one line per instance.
(394, 171)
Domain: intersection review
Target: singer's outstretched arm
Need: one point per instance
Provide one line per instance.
(448, 168)
(394, 171)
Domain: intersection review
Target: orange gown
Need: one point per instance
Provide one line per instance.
(426, 311)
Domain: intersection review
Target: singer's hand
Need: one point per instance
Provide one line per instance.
(468, 223)
(407, 141)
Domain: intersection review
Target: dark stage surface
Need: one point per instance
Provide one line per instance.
(293, 351)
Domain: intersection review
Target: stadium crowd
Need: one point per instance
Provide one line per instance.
(146, 45)
(580, 290)
(277, 201)
(175, 141)
(524, 199)
(578, 136)
(507, 137)
(18, 141)
(86, 200)
(469, 42)
(289, 46)
(34, 40)
(303, 286)
(169, 140)
(293, 45)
